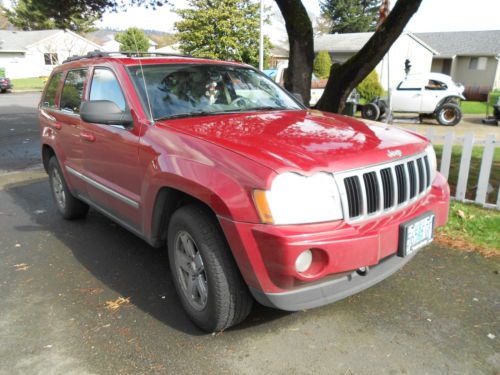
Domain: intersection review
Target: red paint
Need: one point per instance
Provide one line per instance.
(220, 160)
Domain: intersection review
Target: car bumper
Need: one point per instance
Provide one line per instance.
(266, 254)
(6, 87)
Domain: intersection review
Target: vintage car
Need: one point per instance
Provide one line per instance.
(432, 95)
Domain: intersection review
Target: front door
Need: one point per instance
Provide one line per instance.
(111, 155)
(407, 96)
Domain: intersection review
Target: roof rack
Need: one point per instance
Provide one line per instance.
(97, 53)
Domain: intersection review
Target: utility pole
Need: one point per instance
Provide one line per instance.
(261, 41)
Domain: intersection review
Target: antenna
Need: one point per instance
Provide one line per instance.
(143, 80)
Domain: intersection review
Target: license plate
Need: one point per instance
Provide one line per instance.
(415, 234)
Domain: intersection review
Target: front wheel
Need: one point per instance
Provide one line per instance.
(204, 272)
(449, 114)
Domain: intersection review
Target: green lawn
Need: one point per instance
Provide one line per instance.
(474, 108)
(477, 154)
(471, 227)
(34, 83)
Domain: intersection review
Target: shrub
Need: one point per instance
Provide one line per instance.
(2, 72)
(370, 88)
(322, 65)
(493, 97)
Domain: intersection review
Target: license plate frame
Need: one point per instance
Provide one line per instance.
(411, 238)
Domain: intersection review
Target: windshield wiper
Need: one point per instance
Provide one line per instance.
(194, 114)
(267, 108)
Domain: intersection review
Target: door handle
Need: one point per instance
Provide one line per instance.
(87, 137)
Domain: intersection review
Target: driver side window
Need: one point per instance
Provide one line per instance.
(105, 86)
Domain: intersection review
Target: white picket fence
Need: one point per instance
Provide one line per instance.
(468, 142)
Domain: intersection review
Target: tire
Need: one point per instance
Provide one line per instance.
(370, 111)
(4, 91)
(196, 242)
(69, 207)
(449, 114)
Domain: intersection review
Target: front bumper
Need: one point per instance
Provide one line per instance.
(266, 254)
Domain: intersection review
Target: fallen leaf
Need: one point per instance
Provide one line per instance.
(461, 214)
(117, 303)
(90, 291)
(21, 267)
(491, 336)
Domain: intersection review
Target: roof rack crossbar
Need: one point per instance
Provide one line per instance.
(97, 54)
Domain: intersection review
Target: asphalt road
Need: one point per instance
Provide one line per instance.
(19, 134)
(87, 297)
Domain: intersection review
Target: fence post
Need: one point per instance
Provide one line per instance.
(429, 134)
(498, 198)
(446, 154)
(463, 173)
(484, 173)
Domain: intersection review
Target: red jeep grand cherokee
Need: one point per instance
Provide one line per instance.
(254, 195)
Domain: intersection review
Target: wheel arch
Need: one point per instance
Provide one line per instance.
(447, 99)
(47, 153)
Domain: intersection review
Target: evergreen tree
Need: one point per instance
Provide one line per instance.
(133, 39)
(37, 15)
(322, 64)
(221, 29)
(351, 16)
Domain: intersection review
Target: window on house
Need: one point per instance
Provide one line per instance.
(478, 63)
(49, 100)
(72, 92)
(51, 58)
(105, 86)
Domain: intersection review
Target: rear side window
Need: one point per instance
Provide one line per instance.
(72, 92)
(413, 85)
(105, 86)
(49, 100)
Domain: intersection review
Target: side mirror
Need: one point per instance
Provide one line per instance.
(104, 112)
(298, 97)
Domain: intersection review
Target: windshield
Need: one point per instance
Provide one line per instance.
(176, 91)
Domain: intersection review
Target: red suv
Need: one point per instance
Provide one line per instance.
(254, 195)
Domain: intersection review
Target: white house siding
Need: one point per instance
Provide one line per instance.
(31, 63)
(404, 48)
(470, 77)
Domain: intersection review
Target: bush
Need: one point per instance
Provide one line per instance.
(322, 65)
(493, 97)
(370, 88)
(2, 72)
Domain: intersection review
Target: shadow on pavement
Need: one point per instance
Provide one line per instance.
(118, 259)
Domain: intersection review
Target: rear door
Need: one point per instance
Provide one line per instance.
(64, 117)
(111, 154)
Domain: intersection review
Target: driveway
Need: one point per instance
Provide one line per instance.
(469, 124)
(19, 134)
(88, 297)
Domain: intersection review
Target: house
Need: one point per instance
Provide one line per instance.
(25, 54)
(277, 55)
(469, 57)
(173, 49)
(392, 68)
(110, 44)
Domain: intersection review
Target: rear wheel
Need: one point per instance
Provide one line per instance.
(204, 272)
(449, 114)
(69, 206)
(370, 111)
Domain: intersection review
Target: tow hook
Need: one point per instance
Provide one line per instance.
(363, 271)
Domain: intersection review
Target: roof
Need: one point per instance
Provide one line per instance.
(19, 40)
(353, 42)
(469, 43)
(349, 42)
(278, 51)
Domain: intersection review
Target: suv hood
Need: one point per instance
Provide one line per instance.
(304, 141)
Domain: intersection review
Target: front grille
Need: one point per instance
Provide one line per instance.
(382, 188)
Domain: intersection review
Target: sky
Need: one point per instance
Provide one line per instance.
(433, 15)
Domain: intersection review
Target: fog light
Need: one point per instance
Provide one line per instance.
(303, 261)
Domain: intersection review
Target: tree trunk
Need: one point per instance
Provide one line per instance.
(344, 78)
(300, 35)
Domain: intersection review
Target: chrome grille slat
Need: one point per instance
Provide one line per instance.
(383, 188)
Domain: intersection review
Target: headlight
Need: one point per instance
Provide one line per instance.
(297, 199)
(431, 155)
